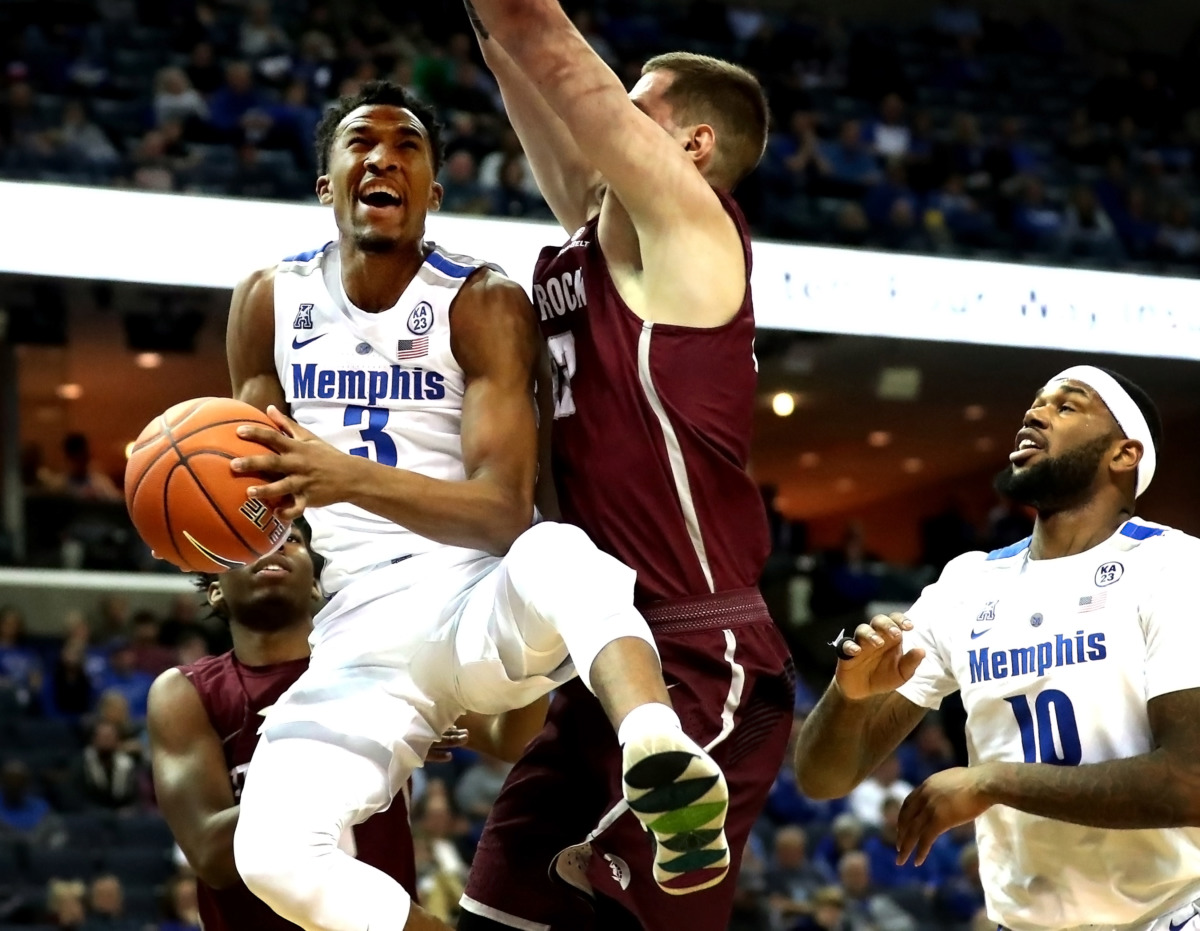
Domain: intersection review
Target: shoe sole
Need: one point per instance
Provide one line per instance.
(681, 798)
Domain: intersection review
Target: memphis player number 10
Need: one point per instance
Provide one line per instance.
(1052, 713)
(373, 432)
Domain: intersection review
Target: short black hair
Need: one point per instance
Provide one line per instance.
(205, 579)
(1148, 408)
(382, 94)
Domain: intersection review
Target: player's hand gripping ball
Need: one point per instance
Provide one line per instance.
(185, 500)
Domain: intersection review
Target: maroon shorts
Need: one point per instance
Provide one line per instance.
(731, 681)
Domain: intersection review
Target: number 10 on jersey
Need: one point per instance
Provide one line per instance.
(1052, 715)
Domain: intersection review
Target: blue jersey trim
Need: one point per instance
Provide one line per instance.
(1019, 547)
(446, 267)
(1139, 531)
(308, 256)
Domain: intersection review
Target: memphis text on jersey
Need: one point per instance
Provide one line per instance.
(397, 384)
(1038, 659)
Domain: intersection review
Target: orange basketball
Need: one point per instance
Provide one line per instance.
(185, 500)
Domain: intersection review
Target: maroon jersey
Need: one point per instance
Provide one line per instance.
(652, 428)
(235, 695)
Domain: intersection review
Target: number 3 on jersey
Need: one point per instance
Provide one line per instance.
(373, 432)
(562, 358)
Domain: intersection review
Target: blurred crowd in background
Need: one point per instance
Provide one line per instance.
(996, 135)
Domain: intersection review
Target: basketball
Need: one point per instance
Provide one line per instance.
(186, 502)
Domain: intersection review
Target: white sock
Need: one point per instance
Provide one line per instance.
(650, 718)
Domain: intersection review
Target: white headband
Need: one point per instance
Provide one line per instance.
(1126, 413)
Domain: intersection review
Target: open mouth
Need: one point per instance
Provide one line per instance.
(1028, 446)
(381, 198)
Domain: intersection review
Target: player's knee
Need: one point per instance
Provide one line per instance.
(277, 864)
(558, 552)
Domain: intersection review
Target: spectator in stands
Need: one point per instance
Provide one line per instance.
(21, 125)
(65, 906)
(115, 620)
(175, 99)
(479, 786)
(20, 669)
(875, 908)
(1010, 158)
(882, 199)
(82, 479)
(929, 751)
(192, 648)
(964, 154)
(1037, 223)
(1087, 231)
(124, 677)
(22, 813)
(1080, 144)
(829, 914)
(70, 690)
(79, 141)
(509, 148)
(866, 801)
(960, 897)
(511, 198)
(750, 899)
(438, 827)
(261, 38)
(461, 192)
(1178, 239)
(105, 776)
(238, 97)
(881, 852)
(792, 878)
(202, 68)
(889, 137)
(845, 835)
(295, 120)
(846, 160)
(150, 656)
(113, 707)
(182, 910)
(953, 214)
(106, 901)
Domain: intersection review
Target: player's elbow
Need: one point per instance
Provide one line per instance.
(214, 864)
(816, 780)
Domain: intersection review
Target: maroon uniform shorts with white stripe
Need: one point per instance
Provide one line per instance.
(732, 683)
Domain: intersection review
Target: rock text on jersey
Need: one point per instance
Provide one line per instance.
(559, 293)
(1036, 660)
(400, 384)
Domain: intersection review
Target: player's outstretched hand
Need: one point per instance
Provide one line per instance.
(943, 801)
(453, 738)
(873, 660)
(311, 469)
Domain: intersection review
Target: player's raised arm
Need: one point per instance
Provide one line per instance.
(565, 176)
(656, 156)
(190, 779)
(250, 342)
(861, 718)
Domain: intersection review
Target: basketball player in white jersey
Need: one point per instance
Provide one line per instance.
(1074, 651)
(410, 374)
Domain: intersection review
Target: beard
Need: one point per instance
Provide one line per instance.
(1057, 482)
(375, 242)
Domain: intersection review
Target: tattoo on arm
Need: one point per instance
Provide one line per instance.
(476, 22)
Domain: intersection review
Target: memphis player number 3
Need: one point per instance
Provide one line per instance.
(373, 432)
(1052, 716)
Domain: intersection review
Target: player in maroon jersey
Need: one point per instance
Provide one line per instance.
(649, 320)
(204, 720)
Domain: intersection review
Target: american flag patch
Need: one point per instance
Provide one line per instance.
(412, 348)
(1092, 602)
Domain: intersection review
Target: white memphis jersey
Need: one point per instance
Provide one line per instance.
(1056, 660)
(385, 386)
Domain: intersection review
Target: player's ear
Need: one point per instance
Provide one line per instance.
(701, 144)
(1128, 457)
(324, 190)
(215, 596)
(435, 199)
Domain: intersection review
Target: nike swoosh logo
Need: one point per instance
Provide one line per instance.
(1182, 924)
(298, 343)
(975, 636)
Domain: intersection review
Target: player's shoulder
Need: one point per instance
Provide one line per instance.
(207, 670)
(1157, 541)
(971, 565)
(303, 263)
(444, 267)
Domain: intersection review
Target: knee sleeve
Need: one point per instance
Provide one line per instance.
(299, 797)
(570, 589)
